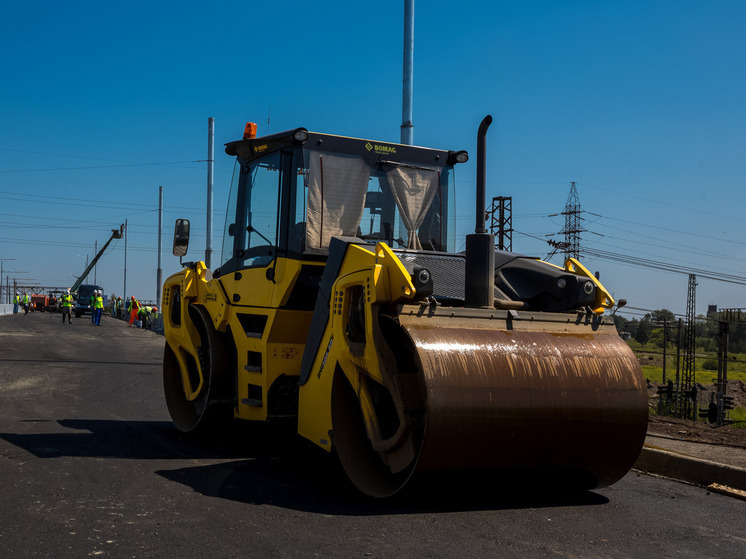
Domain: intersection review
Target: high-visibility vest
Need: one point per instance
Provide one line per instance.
(98, 302)
(67, 300)
(25, 299)
(16, 299)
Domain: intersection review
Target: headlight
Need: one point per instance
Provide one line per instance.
(588, 287)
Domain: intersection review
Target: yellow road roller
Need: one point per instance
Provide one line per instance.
(340, 302)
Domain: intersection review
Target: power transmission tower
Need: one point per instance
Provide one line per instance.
(573, 228)
(501, 223)
(688, 387)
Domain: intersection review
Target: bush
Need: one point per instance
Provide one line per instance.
(709, 365)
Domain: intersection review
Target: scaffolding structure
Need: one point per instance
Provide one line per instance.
(501, 222)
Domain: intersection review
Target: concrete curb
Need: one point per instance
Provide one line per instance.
(687, 468)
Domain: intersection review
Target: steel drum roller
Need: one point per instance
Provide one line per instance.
(557, 399)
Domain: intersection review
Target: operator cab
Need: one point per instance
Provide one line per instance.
(292, 192)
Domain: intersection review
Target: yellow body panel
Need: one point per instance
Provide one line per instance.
(604, 300)
(382, 279)
(181, 336)
(261, 357)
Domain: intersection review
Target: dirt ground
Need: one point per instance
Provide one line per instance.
(697, 431)
(700, 430)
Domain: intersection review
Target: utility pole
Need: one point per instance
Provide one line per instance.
(723, 402)
(126, 231)
(665, 343)
(210, 164)
(95, 251)
(159, 272)
(7, 293)
(407, 128)
(688, 387)
(677, 410)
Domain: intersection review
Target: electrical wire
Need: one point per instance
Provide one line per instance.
(163, 164)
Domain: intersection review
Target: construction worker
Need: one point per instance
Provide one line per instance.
(142, 316)
(98, 308)
(26, 302)
(133, 307)
(118, 307)
(67, 306)
(16, 302)
(93, 303)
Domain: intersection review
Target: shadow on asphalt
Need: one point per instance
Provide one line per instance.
(316, 484)
(94, 438)
(270, 465)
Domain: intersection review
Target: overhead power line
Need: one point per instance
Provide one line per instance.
(167, 163)
(677, 231)
(664, 266)
(67, 201)
(697, 210)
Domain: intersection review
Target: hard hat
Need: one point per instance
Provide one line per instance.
(132, 297)
(155, 309)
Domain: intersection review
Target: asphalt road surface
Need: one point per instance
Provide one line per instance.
(91, 466)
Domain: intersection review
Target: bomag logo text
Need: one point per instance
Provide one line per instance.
(379, 148)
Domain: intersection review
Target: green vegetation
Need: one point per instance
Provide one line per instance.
(704, 372)
(738, 415)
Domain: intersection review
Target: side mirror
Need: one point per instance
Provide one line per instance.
(181, 237)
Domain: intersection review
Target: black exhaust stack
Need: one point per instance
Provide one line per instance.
(480, 247)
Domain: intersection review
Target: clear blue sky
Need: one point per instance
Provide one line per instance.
(643, 104)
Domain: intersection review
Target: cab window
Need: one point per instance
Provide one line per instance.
(260, 223)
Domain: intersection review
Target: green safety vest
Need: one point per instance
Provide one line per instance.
(25, 299)
(98, 303)
(67, 300)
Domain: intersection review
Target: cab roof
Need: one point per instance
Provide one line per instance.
(372, 151)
